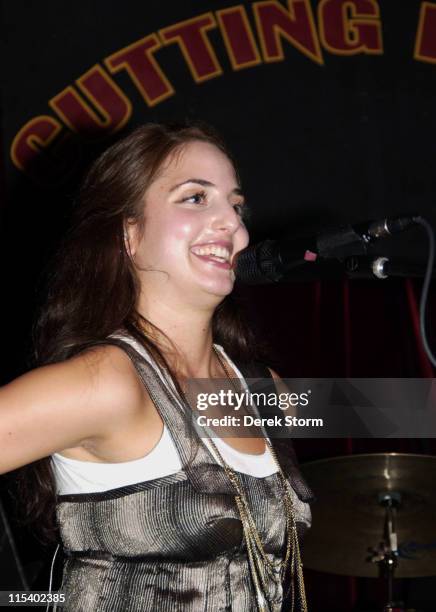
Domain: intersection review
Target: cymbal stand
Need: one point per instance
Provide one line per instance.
(386, 553)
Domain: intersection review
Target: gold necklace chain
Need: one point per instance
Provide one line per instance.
(259, 562)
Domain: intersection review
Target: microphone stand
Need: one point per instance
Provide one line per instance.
(381, 267)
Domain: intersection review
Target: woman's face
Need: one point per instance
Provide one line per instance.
(193, 227)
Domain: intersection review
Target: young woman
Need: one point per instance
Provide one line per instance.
(150, 516)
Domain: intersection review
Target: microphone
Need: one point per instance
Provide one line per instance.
(272, 260)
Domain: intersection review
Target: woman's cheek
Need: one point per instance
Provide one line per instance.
(244, 237)
(182, 225)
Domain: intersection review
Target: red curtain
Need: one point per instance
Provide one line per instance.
(339, 329)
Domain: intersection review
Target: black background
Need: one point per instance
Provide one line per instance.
(318, 146)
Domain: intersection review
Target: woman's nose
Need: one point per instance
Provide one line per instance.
(225, 218)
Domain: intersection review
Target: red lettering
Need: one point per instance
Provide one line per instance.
(296, 25)
(425, 45)
(347, 27)
(114, 108)
(33, 137)
(44, 151)
(195, 45)
(139, 62)
(238, 37)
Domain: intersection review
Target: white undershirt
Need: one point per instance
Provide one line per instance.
(74, 476)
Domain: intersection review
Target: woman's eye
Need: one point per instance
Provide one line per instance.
(242, 211)
(196, 198)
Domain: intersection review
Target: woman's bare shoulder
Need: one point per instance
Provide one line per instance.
(61, 405)
(110, 371)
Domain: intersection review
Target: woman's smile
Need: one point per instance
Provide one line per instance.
(217, 253)
(193, 227)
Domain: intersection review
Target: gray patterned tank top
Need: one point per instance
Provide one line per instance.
(174, 544)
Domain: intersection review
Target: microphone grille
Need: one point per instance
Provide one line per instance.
(257, 265)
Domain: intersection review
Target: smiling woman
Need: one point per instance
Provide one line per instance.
(150, 515)
(191, 232)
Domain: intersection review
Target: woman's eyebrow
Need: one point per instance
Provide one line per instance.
(198, 181)
(203, 183)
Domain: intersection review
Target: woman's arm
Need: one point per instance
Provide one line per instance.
(63, 405)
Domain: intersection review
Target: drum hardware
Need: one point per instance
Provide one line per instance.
(387, 498)
(385, 555)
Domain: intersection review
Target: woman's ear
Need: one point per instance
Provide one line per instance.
(131, 236)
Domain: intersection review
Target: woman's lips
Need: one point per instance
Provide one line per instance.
(225, 265)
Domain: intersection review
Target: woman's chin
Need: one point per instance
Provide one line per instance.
(215, 292)
(216, 282)
(222, 287)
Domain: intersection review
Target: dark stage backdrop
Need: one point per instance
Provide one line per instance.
(329, 108)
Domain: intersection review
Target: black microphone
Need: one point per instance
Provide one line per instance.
(272, 260)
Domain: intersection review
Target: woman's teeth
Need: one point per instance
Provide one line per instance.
(214, 252)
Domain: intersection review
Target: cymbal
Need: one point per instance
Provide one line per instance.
(348, 519)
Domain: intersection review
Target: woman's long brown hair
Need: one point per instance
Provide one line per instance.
(92, 290)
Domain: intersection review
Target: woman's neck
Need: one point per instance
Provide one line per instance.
(190, 353)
